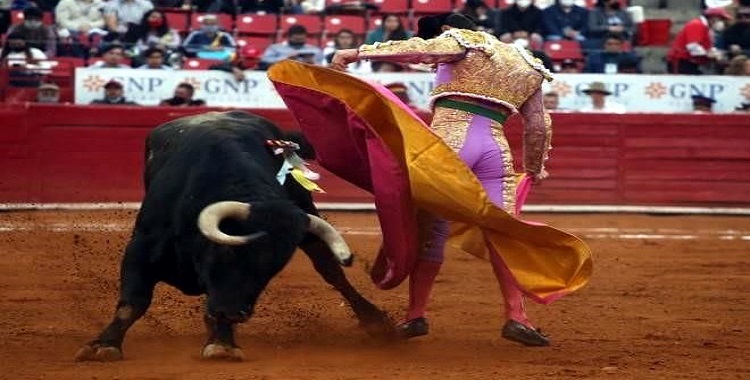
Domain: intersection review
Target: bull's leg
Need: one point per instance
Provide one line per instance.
(136, 292)
(221, 344)
(375, 321)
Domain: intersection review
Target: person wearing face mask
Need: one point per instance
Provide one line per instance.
(48, 93)
(565, 20)
(153, 32)
(295, 47)
(693, 48)
(210, 41)
(114, 95)
(522, 21)
(609, 18)
(121, 15)
(25, 63)
(183, 97)
(36, 34)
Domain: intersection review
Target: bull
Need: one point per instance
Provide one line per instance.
(216, 220)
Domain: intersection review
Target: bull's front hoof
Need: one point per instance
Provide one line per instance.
(97, 353)
(215, 351)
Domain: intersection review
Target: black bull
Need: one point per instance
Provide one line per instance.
(205, 160)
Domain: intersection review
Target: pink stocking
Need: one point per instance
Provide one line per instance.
(514, 302)
(420, 286)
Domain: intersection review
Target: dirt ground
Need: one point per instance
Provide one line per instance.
(668, 300)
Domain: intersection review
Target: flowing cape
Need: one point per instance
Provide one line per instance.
(364, 135)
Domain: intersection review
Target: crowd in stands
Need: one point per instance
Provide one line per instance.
(570, 36)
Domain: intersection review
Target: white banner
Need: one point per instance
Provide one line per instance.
(638, 93)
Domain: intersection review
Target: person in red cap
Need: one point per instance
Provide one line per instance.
(694, 47)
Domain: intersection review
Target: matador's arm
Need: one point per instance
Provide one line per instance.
(415, 50)
(537, 133)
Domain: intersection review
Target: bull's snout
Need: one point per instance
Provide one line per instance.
(229, 316)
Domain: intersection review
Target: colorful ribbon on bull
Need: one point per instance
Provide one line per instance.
(294, 165)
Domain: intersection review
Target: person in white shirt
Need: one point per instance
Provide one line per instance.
(598, 93)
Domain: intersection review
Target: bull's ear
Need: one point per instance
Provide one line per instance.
(306, 150)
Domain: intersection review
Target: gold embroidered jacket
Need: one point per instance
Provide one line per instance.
(477, 65)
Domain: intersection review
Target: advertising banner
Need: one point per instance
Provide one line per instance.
(636, 92)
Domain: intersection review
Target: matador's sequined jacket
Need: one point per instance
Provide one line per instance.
(477, 65)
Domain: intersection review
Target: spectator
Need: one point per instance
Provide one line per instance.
(739, 65)
(80, 17)
(598, 93)
(693, 48)
(210, 41)
(551, 101)
(569, 66)
(153, 31)
(737, 36)
(17, 52)
(346, 39)
(606, 19)
(113, 94)
(36, 34)
(154, 60)
(235, 67)
(121, 15)
(522, 20)
(48, 93)
(608, 60)
(183, 97)
(391, 28)
(485, 18)
(112, 58)
(294, 48)
(565, 20)
(703, 104)
(22, 62)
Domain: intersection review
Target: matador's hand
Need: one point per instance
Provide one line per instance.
(344, 57)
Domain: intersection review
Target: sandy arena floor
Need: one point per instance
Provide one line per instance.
(669, 300)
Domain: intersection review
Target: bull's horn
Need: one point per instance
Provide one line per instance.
(213, 214)
(330, 236)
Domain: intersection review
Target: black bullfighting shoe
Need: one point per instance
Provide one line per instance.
(413, 328)
(520, 333)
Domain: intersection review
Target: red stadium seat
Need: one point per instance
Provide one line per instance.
(249, 44)
(312, 23)
(199, 64)
(563, 49)
(16, 17)
(426, 7)
(335, 23)
(177, 20)
(654, 32)
(225, 21)
(392, 6)
(257, 24)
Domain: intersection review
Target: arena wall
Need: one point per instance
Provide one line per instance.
(74, 153)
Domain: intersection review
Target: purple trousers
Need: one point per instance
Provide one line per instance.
(482, 146)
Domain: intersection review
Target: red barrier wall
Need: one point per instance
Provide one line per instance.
(95, 154)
